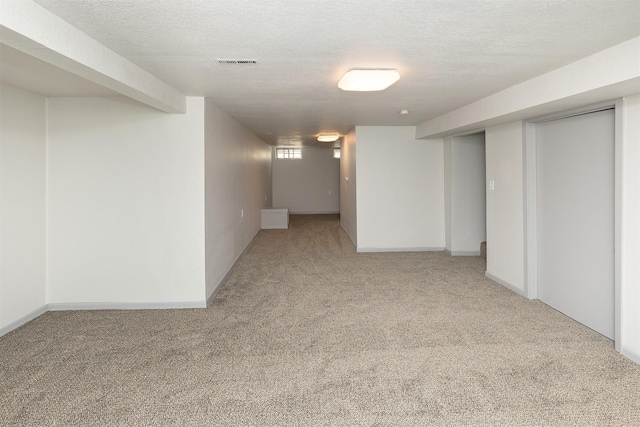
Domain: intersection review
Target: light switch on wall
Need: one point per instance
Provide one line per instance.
(492, 185)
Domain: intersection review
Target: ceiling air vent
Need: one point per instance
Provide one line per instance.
(237, 61)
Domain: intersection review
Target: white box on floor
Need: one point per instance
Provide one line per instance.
(275, 218)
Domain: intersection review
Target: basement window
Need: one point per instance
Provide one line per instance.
(288, 153)
(336, 153)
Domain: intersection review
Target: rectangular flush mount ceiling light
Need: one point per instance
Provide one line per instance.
(328, 137)
(368, 80)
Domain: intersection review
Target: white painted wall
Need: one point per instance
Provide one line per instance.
(505, 208)
(237, 187)
(310, 185)
(348, 211)
(22, 206)
(468, 198)
(400, 187)
(630, 229)
(125, 204)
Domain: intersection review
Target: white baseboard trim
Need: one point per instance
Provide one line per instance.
(24, 319)
(350, 237)
(163, 305)
(505, 284)
(631, 355)
(100, 306)
(313, 212)
(461, 253)
(419, 249)
(465, 253)
(224, 279)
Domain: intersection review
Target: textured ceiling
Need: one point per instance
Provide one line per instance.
(449, 53)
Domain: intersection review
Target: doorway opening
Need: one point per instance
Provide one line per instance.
(465, 194)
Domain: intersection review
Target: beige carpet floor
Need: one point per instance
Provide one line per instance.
(307, 332)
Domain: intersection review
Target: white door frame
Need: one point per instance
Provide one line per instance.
(531, 208)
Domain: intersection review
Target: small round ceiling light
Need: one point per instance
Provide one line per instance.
(368, 80)
(328, 137)
(404, 112)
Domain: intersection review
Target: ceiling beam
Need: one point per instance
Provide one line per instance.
(30, 28)
(603, 76)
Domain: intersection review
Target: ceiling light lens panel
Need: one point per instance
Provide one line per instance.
(368, 80)
(329, 137)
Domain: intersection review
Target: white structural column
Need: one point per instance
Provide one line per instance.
(30, 28)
